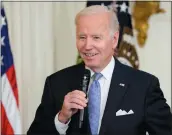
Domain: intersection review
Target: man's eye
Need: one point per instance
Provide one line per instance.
(81, 37)
(96, 37)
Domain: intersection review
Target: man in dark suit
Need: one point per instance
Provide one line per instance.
(122, 101)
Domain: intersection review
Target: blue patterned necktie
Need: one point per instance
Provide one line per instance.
(94, 96)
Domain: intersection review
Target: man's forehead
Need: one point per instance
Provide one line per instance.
(97, 28)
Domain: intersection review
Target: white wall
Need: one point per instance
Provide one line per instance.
(43, 41)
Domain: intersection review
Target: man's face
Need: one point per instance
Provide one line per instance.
(94, 42)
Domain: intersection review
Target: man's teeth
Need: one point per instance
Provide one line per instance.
(90, 54)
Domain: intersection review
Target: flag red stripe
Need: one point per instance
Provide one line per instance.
(12, 79)
(6, 128)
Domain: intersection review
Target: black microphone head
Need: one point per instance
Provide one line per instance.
(86, 80)
(87, 73)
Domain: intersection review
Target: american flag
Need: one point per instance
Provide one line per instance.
(10, 114)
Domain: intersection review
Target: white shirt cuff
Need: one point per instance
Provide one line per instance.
(61, 127)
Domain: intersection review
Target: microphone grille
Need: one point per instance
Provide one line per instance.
(87, 73)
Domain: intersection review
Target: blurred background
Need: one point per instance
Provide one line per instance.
(42, 41)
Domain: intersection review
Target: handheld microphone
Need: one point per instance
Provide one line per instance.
(85, 83)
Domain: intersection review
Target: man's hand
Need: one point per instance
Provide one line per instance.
(72, 102)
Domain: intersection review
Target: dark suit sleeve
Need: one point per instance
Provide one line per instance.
(44, 119)
(158, 115)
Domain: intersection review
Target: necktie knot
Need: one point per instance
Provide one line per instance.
(97, 76)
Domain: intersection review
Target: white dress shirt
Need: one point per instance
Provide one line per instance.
(104, 84)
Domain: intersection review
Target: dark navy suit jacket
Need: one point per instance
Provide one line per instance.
(141, 94)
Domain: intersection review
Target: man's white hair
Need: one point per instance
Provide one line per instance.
(114, 24)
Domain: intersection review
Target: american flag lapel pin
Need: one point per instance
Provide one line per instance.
(122, 84)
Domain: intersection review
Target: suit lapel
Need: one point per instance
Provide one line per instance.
(115, 97)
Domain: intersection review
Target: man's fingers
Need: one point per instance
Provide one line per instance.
(83, 99)
(78, 92)
(77, 101)
(76, 106)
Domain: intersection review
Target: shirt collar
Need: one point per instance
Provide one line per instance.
(107, 71)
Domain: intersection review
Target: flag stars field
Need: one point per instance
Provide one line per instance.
(123, 7)
(2, 41)
(3, 21)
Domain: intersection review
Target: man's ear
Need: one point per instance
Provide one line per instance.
(115, 39)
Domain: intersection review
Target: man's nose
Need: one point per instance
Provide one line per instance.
(88, 44)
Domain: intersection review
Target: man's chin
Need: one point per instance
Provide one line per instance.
(91, 65)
